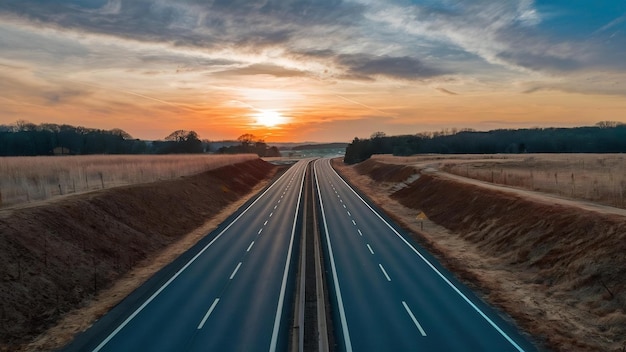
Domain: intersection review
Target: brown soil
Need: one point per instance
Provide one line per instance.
(558, 270)
(91, 250)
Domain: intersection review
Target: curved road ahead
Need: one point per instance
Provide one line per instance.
(233, 295)
(388, 294)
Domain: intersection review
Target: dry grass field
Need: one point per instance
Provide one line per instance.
(31, 179)
(599, 178)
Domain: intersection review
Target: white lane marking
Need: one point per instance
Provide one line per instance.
(419, 327)
(370, 248)
(206, 316)
(354, 222)
(384, 272)
(275, 206)
(349, 214)
(261, 230)
(445, 279)
(341, 200)
(235, 271)
(279, 201)
(272, 213)
(342, 313)
(344, 206)
(250, 246)
(265, 223)
(283, 286)
(180, 271)
(360, 233)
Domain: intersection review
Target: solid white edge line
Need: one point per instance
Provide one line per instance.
(235, 271)
(465, 298)
(206, 316)
(342, 313)
(157, 292)
(408, 310)
(384, 272)
(370, 248)
(250, 246)
(283, 286)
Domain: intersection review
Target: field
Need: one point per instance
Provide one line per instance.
(599, 178)
(31, 179)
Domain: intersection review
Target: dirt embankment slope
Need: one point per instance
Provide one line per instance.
(56, 257)
(559, 271)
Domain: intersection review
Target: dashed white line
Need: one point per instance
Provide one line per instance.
(342, 313)
(250, 246)
(180, 271)
(384, 272)
(275, 206)
(360, 233)
(279, 201)
(261, 230)
(265, 223)
(441, 275)
(349, 214)
(353, 222)
(341, 200)
(235, 271)
(344, 206)
(370, 248)
(419, 327)
(206, 316)
(272, 213)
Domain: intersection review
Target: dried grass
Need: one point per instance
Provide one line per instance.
(599, 178)
(30, 179)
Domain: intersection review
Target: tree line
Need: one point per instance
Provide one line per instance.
(604, 137)
(28, 139)
(250, 144)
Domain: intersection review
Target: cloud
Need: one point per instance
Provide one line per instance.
(262, 69)
(406, 68)
(445, 91)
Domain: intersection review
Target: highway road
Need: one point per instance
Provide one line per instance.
(387, 293)
(234, 294)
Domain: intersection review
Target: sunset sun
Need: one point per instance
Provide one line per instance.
(269, 118)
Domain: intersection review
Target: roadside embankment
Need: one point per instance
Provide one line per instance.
(57, 257)
(559, 271)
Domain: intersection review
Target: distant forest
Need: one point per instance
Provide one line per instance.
(604, 137)
(27, 139)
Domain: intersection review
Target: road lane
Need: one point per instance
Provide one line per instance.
(234, 295)
(391, 295)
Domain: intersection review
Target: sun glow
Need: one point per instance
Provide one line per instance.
(269, 118)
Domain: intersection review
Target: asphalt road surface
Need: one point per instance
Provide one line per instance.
(234, 294)
(387, 293)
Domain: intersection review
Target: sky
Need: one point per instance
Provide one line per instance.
(312, 70)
